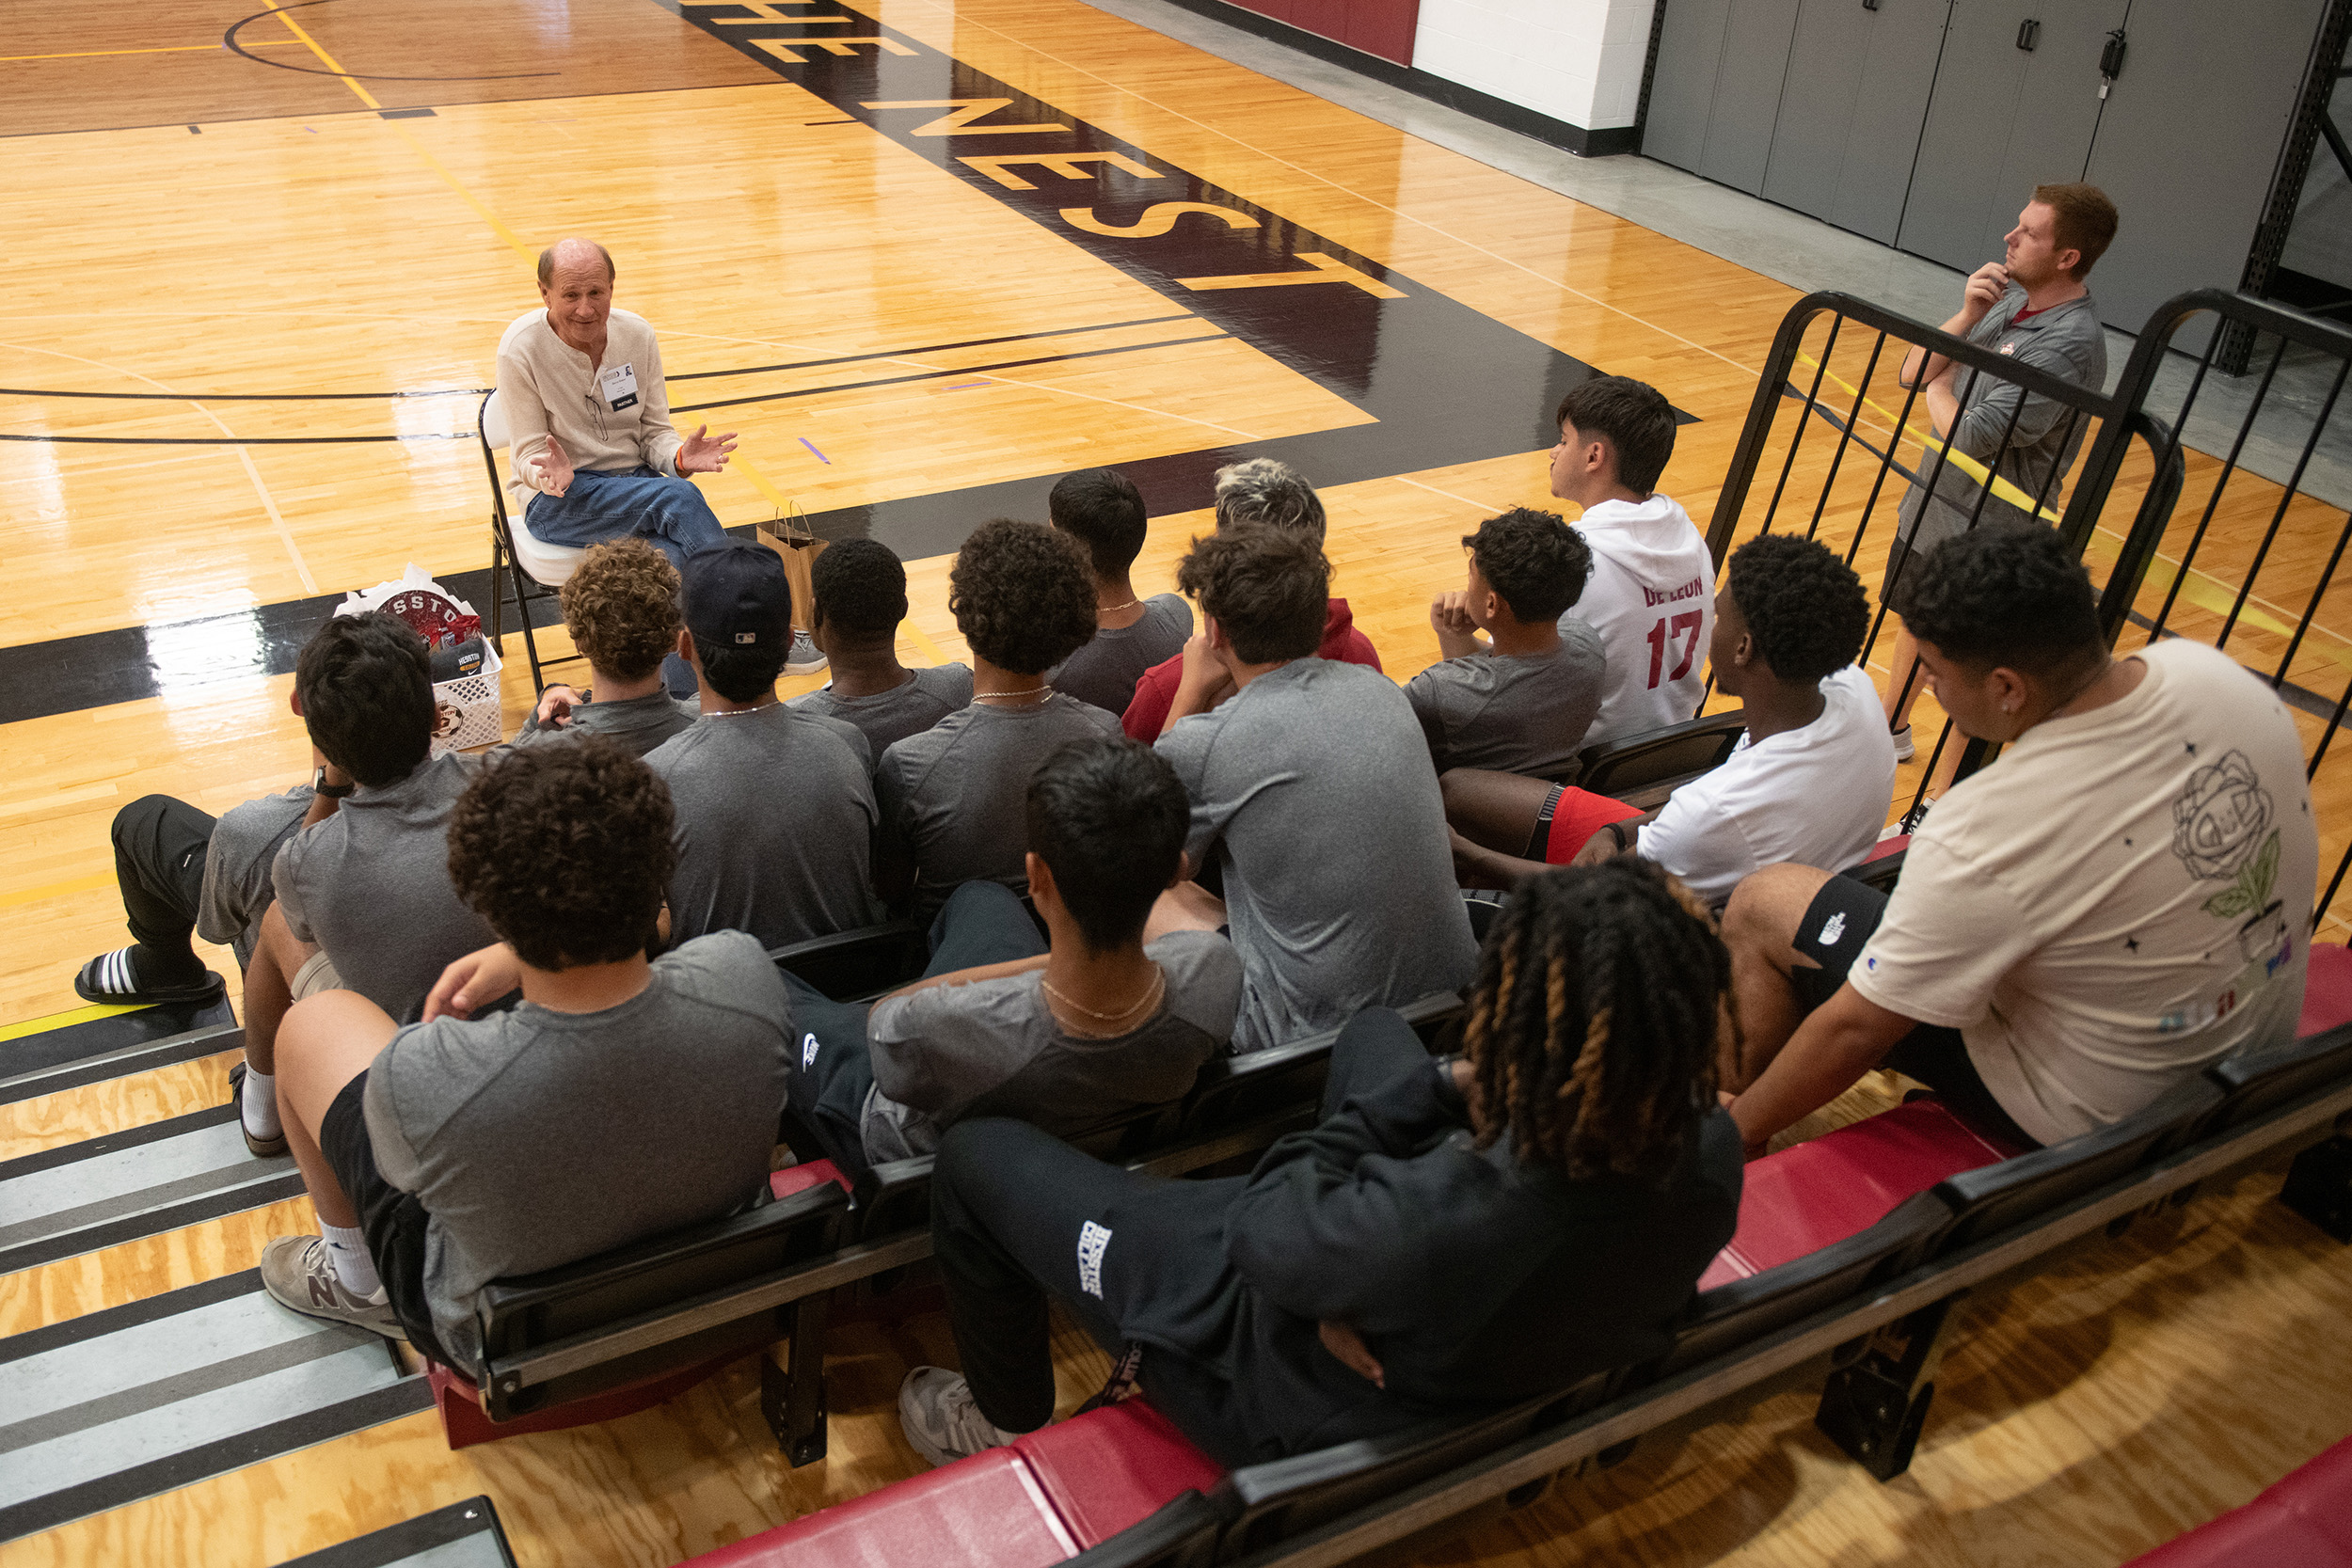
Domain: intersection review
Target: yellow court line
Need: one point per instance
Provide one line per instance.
(324, 58)
(65, 1019)
(923, 640)
(57, 890)
(168, 49)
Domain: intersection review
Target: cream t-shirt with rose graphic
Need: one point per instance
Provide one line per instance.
(2121, 898)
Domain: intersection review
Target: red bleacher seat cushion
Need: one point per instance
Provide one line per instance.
(986, 1510)
(1841, 1184)
(800, 1178)
(1112, 1467)
(1886, 846)
(2305, 1521)
(2328, 994)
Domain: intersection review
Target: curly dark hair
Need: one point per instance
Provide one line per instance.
(1804, 607)
(1267, 586)
(1108, 818)
(565, 850)
(365, 683)
(1594, 1023)
(1537, 563)
(1102, 510)
(2003, 595)
(860, 589)
(621, 606)
(1022, 597)
(1634, 417)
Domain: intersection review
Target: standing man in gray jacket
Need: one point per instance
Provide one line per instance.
(2033, 306)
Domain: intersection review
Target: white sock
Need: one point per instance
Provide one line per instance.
(354, 1269)
(260, 1104)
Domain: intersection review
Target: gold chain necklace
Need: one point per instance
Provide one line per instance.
(1150, 998)
(1039, 689)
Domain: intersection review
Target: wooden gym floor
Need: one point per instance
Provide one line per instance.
(341, 201)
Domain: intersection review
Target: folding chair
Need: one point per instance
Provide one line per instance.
(531, 568)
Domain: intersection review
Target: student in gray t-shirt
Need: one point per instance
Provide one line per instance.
(1522, 701)
(1064, 1037)
(620, 604)
(861, 593)
(363, 888)
(1102, 509)
(619, 1099)
(775, 806)
(1338, 878)
(952, 796)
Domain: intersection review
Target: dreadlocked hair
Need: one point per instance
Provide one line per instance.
(1593, 1025)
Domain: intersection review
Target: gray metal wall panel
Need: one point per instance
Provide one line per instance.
(1827, 54)
(1906, 36)
(1756, 37)
(2320, 242)
(1682, 88)
(2057, 112)
(1957, 178)
(2190, 142)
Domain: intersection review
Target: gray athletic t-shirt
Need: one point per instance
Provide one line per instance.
(1338, 877)
(775, 826)
(638, 724)
(1513, 713)
(535, 1138)
(992, 1048)
(912, 707)
(955, 797)
(371, 886)
(237, 888)
(1106, 670)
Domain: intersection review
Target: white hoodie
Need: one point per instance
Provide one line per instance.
(1652, 599)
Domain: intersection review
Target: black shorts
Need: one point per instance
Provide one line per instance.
(1849, 912)
(393, 1221)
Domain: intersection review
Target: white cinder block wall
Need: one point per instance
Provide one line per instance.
(1576, 60)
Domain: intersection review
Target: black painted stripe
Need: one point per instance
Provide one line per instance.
(937, 375)
(304, 1431)
(411, 1537)
(113, 1319)
(211, 1206)
(924, 348)
(162, 1054)
(95, 1037)
(115, 1143)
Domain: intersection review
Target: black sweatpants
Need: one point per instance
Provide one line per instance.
(982, 922)
(1017, 1214)
(160, 845)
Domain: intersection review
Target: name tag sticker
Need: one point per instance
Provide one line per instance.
(619, 385)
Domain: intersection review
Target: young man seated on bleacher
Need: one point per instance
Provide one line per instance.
(861, 593)
(620, 604)
(1062, 1035)
(1308, 785)
(363, 901)
(1810, 781)
(2123, 897)
(1272, 493)
(1455, 1237)
(952, 796)
(1648, 596)
(1102, 509)
(775, 806)
(1521, 700)
(619, 1099)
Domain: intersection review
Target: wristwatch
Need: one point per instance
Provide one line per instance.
(333, 792)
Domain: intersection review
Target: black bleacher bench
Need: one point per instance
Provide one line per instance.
(1643, 769)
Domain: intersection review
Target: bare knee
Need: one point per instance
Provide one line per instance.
(1761, 918)
(323, 1043)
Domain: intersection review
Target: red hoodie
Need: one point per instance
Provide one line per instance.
(1155, 692)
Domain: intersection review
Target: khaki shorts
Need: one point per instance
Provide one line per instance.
(316, 976)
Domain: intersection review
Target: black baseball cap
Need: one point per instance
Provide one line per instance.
(737, 595)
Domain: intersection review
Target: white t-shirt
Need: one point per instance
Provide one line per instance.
(2123, 897)
(1652, 599)
(1817, 796)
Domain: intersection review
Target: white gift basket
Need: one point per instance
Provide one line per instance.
(465, 707)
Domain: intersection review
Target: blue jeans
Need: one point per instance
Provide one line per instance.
(599, 506)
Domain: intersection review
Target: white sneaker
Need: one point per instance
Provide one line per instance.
(803, 659)
(939, 1417)
(1904, 748)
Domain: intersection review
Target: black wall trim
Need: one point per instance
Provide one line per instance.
(1422, 83)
